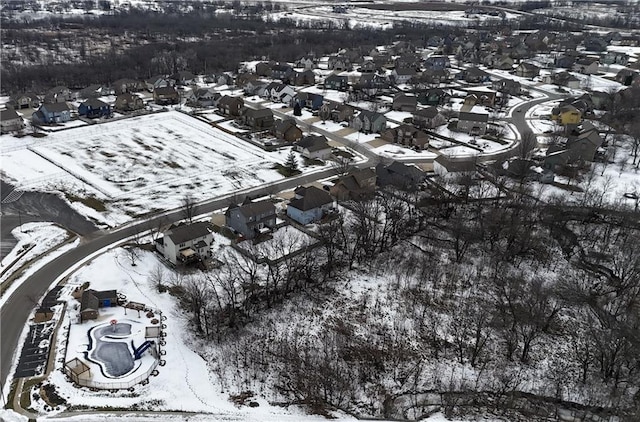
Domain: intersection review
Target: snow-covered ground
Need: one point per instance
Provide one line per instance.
(139, 165)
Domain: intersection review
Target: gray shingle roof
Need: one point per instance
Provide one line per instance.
(186, 232)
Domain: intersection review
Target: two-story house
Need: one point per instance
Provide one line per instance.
(185, 243)
(251, 218)
(309, 205)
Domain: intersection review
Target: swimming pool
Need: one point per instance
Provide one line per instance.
(108, 347)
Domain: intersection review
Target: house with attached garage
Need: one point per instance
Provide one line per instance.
(185, 243)
(369, 122)
(307, 100)
(399, 175)
(257, 119)
(407, 135)
(356, 185)
(203, 97)
(22, 101)
(250, 219)
(93, 108)
(166, 95)
(309, 205)
(527, 70)
(473, 123)
(129, 102)
(52, 113)
(314, 147)
(59, 94)
(158, 81)
(230, 106)
(428, 118)
(443, 165)
(337, 82)
(404, 102)
(10, 121)
(287, 130)
(403, 75)
(587, 65)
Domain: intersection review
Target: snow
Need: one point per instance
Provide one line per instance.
(8, 415)
(140, 165)
(33, 240)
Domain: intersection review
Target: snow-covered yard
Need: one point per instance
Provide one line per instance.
(139, 165)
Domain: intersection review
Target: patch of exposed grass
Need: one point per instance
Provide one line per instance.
(286, 171)
(172, 164)
(89, 201)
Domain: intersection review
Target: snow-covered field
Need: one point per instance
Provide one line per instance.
(139, 165)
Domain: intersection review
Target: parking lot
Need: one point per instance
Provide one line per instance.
(35, 352)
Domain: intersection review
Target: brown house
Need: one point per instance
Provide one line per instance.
(356, 185)
(407, 135)
(128, 102)
(166, 95)
(287, 130)
(230, 106)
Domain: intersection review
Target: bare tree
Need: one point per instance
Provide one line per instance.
(188, 207)
(527, 144)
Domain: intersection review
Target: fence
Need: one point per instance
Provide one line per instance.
(113, 385)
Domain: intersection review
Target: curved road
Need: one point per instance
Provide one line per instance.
(16, 310)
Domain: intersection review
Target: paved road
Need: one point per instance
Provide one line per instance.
(16, 310)
(37, 206)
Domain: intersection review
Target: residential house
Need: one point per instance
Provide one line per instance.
(244, 79)
(10, 121)
(251, 218)
(203, 97)
(279, 92)
(566, 115)
(306, 77)
(399, 175)
(615, 57)
(287, 130)
(403, 75)
(473, 123)
(357, 185)
(59, 94)
(52, 113)
(185, 243)
(284, 72)
(125, 85)
(434, 76)
(484, 95)
(314, 147)
(93, 108)
(627, 76)
(22, 101)
(337, 82)
(369, 66)
(584, 146)
(166, 95)
(428, 118)
(371, 83)
(499, 61)
(158, 81)
(92, 300)
(257, 119)
(587, 65)
(309, 205)
(184, 77)
(255, 88)
(339, 63)
(129, 102)
(527, 70)
(369, 122)
(432, 97)
(308, 100)
(407, 135)
(566, 79)
(556, 159)
(437, 62)
(474, 75)
(507, 86)
(230, 106)
(565, 61)
(342, 113)
(408, 60)
(443, 165)
(307, 62)
(263, 69)
(404, 102)
(595, 43)
(95, 91)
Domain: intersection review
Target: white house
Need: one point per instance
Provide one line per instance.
(186, 243)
